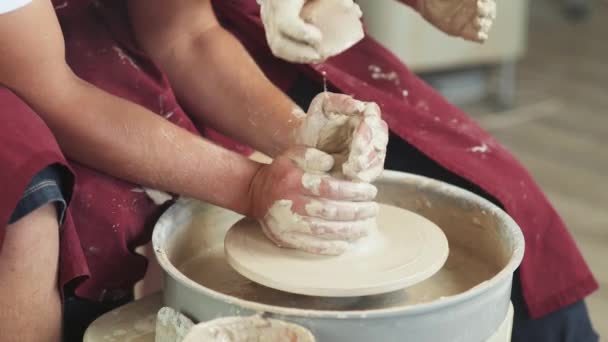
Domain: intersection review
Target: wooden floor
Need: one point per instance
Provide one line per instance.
(559, 129)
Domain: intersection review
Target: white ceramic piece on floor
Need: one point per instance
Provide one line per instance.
(406, 249)
(248, 329)
(171, 325)
(338, 21)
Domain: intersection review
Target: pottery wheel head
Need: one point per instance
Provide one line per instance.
(406, 250)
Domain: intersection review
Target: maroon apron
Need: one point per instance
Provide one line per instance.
(108, 217)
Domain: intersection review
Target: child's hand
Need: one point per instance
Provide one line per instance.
(352, 131)
(309, 210)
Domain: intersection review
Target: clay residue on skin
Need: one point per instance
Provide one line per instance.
(339, 23)
(353, 140)
(288, 229)
(329, 132)
(354, 167)
(333, 133)
(313, 161)
(312, 183)
(298, 113)
(292, 40)
(318, 208)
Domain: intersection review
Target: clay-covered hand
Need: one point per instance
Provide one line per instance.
(469, 19)
(288, 36)
(352, 131)
(294, 28)
(310, 210)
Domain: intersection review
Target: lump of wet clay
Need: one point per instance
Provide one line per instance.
(339, 22)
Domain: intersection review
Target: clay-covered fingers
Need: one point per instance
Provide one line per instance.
(483, 28)
(340, 230)
(480, 22)
(341, 104)
(477, 30)
(350, 5)
(288, 36)
(297, 30)
(373, 130)
(331, 230)
(293, 51)
(314, 245)
(486, 9)
(310, 159)
(335, 210)
(299, 41)
(365, 168)
(368, 149)
(331, 188)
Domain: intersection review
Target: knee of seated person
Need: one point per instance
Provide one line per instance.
(28, 236)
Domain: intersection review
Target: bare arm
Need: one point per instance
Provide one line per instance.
(212, 73)
(107, 132)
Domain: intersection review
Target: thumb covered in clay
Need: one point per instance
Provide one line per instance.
(310, 159)
(351, 131)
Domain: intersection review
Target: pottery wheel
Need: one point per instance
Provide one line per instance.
(406, 249)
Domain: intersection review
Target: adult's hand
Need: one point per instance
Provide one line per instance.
(469, 19)
(352, 131)
(294, 28)
(310, 210)
(288, 35)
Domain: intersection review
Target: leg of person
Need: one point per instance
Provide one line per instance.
(30, 302)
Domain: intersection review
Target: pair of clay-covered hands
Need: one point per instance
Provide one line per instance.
(317, 196)
(291, 38)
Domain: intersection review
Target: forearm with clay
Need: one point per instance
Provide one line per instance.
(106, 132)
(214, 77)
(129, 142)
